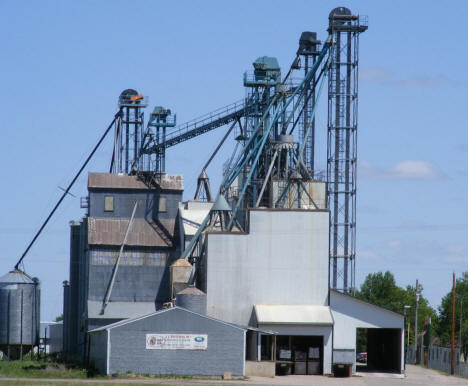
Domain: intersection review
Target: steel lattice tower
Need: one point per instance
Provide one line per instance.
(342, 150)
(128, 132)
(308, 50)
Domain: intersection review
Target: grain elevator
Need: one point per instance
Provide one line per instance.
(268, 257)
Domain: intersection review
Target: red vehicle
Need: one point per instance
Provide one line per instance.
(361, 357)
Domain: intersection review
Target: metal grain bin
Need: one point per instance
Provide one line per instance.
(192, 299)
(19, 313)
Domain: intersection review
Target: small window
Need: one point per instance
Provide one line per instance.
(108, 203)
(162, 204)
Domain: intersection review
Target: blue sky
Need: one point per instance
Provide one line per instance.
(64, 63)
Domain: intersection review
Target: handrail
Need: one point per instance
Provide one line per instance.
(201, 125)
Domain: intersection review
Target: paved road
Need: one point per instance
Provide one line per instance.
(415, 376)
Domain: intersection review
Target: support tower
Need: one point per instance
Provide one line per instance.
(341, 150)
(128, 132)
(309, 50)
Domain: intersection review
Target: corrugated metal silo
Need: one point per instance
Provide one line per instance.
(19, 313)
(191, 298)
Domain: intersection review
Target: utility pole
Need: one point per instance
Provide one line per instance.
(452, 356)
(416, 321)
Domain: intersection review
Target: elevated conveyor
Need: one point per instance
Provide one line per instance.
(201, 125)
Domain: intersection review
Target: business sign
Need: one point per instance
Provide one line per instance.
(176, 342)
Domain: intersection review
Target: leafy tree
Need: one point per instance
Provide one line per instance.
(59, 318)
(380, 289)
(445, 315)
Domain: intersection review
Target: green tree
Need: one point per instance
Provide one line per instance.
(380, 289)
(445, 315)
(59, 318)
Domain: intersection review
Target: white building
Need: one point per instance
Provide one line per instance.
(275, 277)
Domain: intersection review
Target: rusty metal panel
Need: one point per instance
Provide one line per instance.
(142, 233)
(117, 181)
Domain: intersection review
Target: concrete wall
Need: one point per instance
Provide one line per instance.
(283, 260)
(260, 369)
(226, 346)
(350, 313)
(325, 331)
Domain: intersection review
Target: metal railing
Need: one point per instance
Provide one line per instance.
(204, 123)
(207, 118)
(138, 103)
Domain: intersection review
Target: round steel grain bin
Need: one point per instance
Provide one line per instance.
(191, 298)
(19, 313)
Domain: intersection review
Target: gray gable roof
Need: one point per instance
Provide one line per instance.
(132, 320)
(354, 298)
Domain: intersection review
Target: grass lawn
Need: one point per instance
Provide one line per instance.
(46, 368)
(40, 369)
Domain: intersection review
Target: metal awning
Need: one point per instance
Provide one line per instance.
(293, 314)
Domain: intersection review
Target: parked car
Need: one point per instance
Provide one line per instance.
(361, 357)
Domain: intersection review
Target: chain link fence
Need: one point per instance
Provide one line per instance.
(437, 358)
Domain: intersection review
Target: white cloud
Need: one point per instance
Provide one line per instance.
(366, 254)
(404, 170)
(416, 170)
(424, 81)
(384, 76)
(375, 75)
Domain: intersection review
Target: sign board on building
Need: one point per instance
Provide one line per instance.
(176, 342)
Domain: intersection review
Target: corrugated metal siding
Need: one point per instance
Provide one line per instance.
(19, 314)
(124, 201)
(97, 323)
(225, 346)
(116, 181)
(133, 283)
(143, 274)
(192, 302)
(142, 233)
(117, 311)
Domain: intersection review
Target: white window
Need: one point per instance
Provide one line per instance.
(108, 203)
(162, 204)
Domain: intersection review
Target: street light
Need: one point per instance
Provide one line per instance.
(417, 293)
